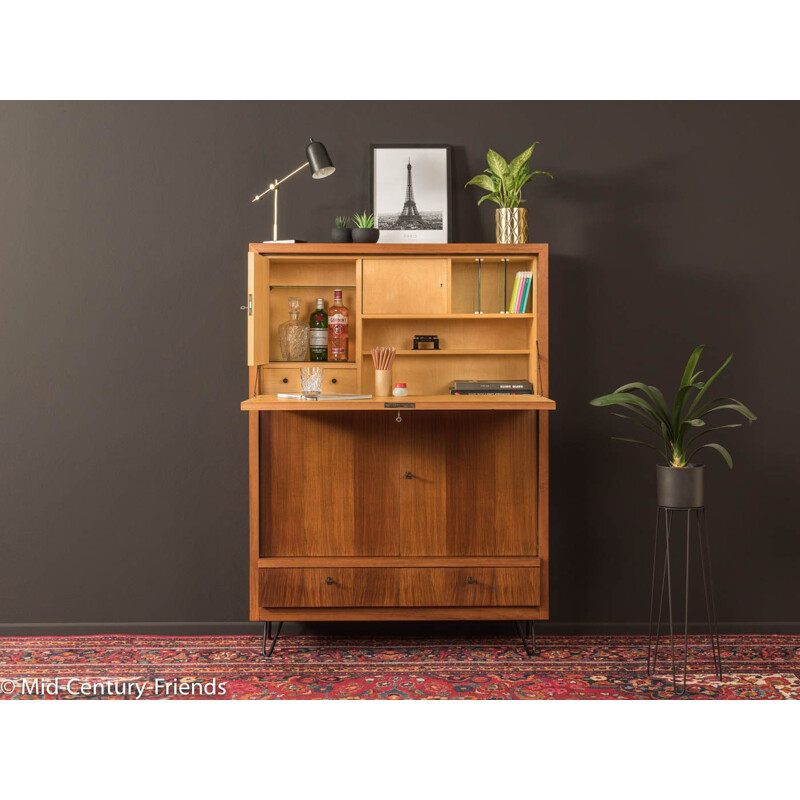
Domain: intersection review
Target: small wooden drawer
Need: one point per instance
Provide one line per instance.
(343, 381)
(469, 586)
(398, 587)
(328, 587)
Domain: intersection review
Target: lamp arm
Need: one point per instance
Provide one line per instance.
(275, 185)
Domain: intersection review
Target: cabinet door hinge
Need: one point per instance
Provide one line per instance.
(249, 305)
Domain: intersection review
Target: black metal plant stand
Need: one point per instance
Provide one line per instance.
(669, 515)
(268, 635)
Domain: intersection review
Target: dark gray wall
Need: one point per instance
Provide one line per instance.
(123, 233)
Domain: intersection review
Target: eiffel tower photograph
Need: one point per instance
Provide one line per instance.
(411, 192)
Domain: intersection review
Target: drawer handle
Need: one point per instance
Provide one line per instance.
(408, 476)
(330, 581)
(333, 380)
(470, 579)
(286, 380)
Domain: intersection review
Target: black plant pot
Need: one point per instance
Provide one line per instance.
(341, 235)
(365, 235)
(680, 487)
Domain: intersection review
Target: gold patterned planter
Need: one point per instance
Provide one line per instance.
(511, 225)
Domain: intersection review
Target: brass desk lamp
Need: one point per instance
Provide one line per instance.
(321, 166)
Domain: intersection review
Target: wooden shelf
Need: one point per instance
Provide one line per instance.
(510, 251)
(455, 352)
(298, 364)
(433, 402)
(445, 317)
(283, 562)
(311, 286)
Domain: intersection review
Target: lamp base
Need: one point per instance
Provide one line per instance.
(284, 241)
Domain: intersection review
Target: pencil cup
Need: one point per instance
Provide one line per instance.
(383, 383)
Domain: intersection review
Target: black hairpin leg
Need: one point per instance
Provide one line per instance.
(652, 601)
(268, 635)
(524, 633)
(665, 582)
(708, 589)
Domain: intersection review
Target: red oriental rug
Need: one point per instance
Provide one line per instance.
(322, 667)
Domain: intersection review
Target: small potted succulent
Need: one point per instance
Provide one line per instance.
(679, 481)
(364, 231)
(340, 233)
(504, 181)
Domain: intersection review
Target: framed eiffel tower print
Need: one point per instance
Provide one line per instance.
(410, 192)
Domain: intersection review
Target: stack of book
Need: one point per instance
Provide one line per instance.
(520, 293)
(491, 387)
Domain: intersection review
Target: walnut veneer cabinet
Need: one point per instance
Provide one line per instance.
(355, 515)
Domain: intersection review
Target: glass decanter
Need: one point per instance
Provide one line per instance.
(293, 334)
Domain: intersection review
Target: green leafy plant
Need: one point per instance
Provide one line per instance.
(503, 180)
(671, 424)
(364, 220)
(342, 222)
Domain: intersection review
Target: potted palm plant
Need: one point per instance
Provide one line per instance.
(503, 181)
(677, 429)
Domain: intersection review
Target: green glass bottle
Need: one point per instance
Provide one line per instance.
(318, 333)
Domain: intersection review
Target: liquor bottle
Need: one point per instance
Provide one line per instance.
(338, 328)
(293, 334)
(318, 335)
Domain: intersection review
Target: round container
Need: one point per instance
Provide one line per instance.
(400, 390)
(383, 382)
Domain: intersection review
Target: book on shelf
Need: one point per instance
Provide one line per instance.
(491, 387)
(520, 293)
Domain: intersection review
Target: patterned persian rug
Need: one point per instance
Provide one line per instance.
(322, 667)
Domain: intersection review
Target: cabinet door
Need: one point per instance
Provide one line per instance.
(399, 483)
(306, 480)
(491, 483)
(257, 309)
(404, 285)
(423, 494)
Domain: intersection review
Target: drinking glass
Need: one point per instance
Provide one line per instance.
(311, 380)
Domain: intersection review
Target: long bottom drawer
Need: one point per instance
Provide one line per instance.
(355, 587)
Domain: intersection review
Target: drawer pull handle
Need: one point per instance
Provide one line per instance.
(329, 580)
(333, 380)
(286, 380)
(470, 579)
(408, 476)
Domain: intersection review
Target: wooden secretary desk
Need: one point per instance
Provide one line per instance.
(437, 510)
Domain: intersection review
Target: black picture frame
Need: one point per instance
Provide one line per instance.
(411, 235)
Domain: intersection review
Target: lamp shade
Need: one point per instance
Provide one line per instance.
(318, 160)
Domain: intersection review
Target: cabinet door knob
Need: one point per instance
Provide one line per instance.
(286, 380)
(470, 579)
(333, 380)
(408, 476)
(329, 580)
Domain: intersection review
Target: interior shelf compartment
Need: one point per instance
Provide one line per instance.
(433, 376)
(486, 284)
(279, 311)
(312, 273)
(457, 334)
